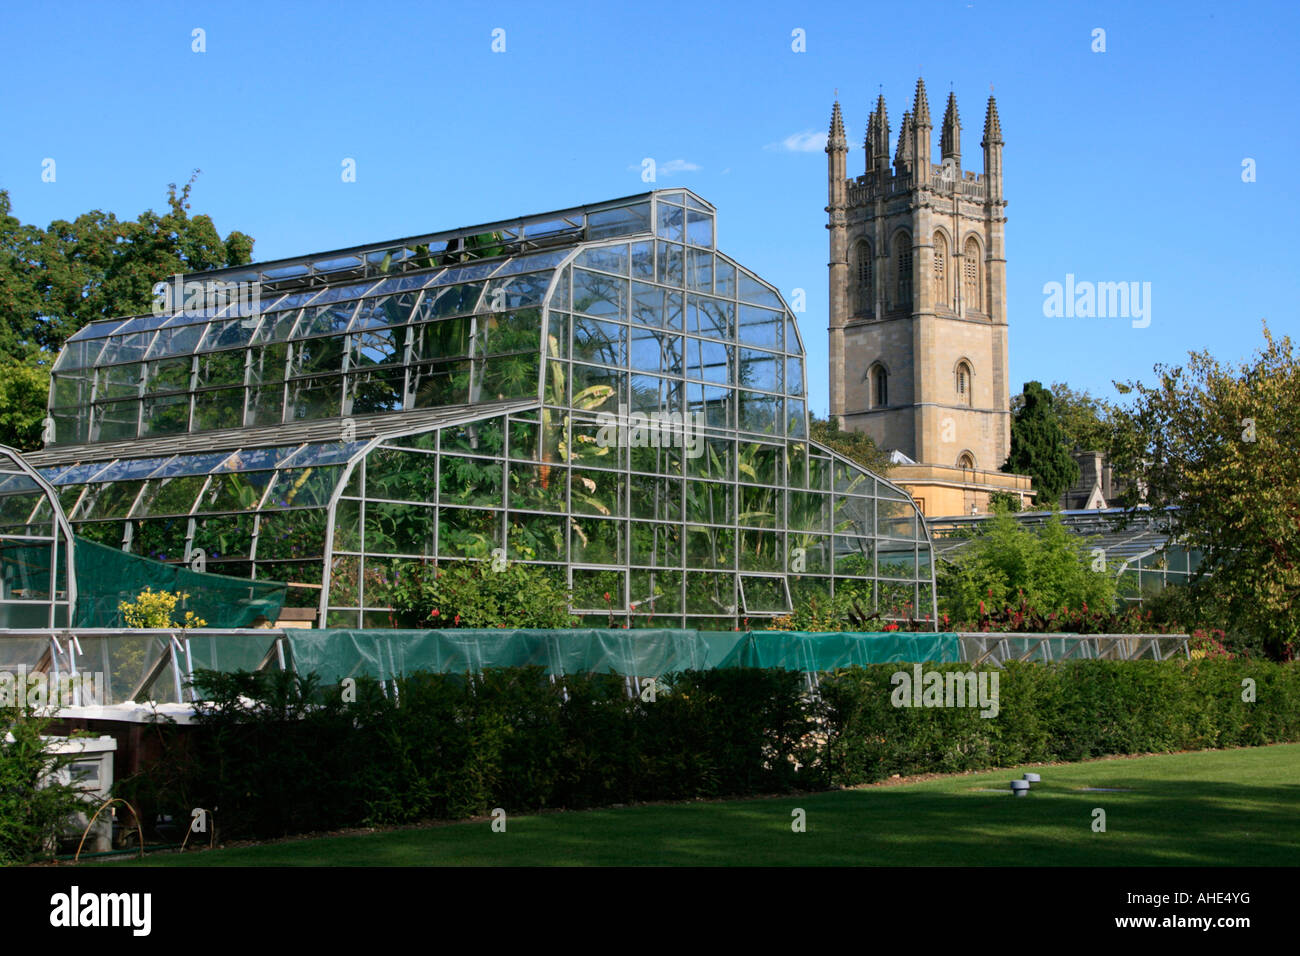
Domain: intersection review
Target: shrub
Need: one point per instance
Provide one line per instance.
(279, 754)
(155, 608)
(478, 594)
(1049, 567)
(34, 809)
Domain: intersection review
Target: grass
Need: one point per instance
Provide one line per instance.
(1210, 808)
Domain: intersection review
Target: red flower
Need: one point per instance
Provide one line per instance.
(606, 597)
(457, 620)
(433, 613)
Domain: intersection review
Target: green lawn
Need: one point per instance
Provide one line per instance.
(1236, 807)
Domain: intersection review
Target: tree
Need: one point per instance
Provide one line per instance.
(24, 388)
(20, 302)
(53, 281)
(98, 267)
(1038, 445)
(1085, 421)
(855, 446)
(1218, 444)
(1004, 501)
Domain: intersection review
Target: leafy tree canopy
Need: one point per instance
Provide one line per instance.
(53, 281)
(855, 446)
(1219, 443)
(1086, 421)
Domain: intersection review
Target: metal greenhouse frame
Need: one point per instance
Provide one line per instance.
(598, 391)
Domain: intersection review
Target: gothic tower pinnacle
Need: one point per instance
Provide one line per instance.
(950, 138)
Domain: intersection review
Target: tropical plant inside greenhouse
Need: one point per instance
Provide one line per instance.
(157, 609)
(478, 594)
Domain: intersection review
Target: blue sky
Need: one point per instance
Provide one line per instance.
(1119, 166)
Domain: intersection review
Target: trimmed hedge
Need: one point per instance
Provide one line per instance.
(302, 758)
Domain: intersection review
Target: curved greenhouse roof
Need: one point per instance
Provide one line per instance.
(599, 390)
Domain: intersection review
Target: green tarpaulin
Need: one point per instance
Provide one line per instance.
(106, 577)
(385, 654)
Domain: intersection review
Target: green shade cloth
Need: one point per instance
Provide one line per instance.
(106, 577)
(384, 654)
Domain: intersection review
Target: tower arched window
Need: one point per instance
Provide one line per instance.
(963, 384)
(866, 269)
(878, 383)
(940, 269)
(972, 288)
(903, 259)
(966, 460)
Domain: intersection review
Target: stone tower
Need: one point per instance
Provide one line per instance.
(918, 317)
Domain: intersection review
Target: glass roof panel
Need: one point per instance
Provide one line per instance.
(384, 312)
(125, 348)
(533, 263)
(276, 326)
(96, 330)
(228, 333)
(400, 284)
(255, 459)
(195, 464)
(131, 468)
(13, 484)
(176, 340)
(339, 293)
(143, 323)
(77, 474)
(325, 319)
(479, 270)
(329, 453)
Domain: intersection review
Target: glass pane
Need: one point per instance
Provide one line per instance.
(222, 408)
(608, 259)
(168, 415)
(670, 268)
(672, 224)
(761, 370)
(381, 390)
(752, 290)
(303, 487)
(170, 496)
(699, 228)
(600, 342)
(312, 398)
(656, 306)
(711, 317)
(761, 327)
(619, 222)
(445, 383)
(599, 295)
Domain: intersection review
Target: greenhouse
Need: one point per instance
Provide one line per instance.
(598, 391)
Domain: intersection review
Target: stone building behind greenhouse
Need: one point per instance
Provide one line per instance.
(598, 391)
